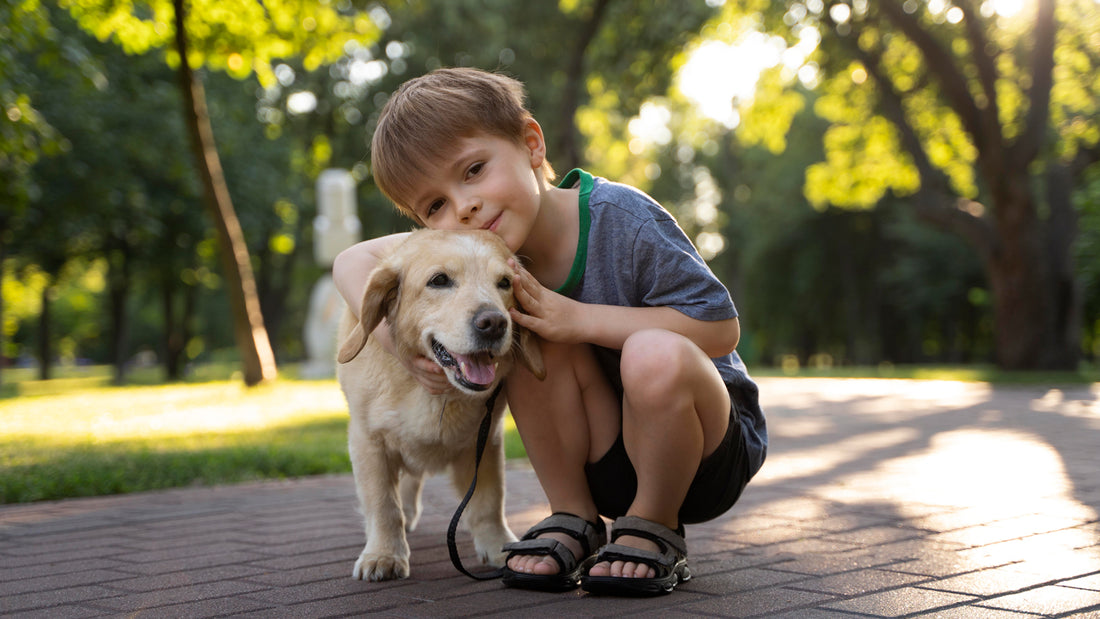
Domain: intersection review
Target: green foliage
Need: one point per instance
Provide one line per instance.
(238, 37)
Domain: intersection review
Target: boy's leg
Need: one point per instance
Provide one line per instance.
(570, 418)
(675, 412)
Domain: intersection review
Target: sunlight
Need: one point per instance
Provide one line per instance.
(1004, 8)
(718, 75)
(302, 102)
(955, 466)
(118, 414)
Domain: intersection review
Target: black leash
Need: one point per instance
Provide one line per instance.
(482, 438)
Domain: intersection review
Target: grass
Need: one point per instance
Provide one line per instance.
(79, 436)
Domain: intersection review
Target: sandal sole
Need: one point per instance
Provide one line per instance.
(636, 587)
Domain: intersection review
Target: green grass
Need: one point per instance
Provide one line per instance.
(79, 436)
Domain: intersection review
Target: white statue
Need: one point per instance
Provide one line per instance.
(335, 228)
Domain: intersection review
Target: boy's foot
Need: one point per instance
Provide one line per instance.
(668, 561)
(554, 554)
(626, 569)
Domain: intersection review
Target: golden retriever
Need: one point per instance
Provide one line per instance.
(445, 295)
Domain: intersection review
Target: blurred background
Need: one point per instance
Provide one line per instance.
(879, 184)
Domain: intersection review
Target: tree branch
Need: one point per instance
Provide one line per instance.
(935, 202)
(986, 64)
(951, 78)
(567, 143)
(1042, 78)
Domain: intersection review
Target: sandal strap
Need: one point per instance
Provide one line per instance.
(664, 537)
(544, 547)
(591, 537)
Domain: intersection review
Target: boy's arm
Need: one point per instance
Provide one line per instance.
(560, 319)
(350, 272)
(353, 266)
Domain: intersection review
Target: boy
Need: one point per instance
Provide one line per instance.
(647, 414)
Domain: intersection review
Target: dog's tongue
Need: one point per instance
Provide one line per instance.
(478, 369)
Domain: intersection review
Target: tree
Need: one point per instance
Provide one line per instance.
(985, 120)
(238, 36)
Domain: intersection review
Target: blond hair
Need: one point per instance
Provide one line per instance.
(422, 122)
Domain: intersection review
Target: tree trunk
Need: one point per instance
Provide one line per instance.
(119, 278)
(248, 327)
(1017, 273)
(45, 362)
(3, 357)
(567, 149)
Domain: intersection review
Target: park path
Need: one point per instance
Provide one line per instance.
(879, 498)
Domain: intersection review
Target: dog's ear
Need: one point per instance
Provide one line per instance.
(379, 295)
(528, 352)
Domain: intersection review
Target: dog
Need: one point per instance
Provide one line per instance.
(446, 296)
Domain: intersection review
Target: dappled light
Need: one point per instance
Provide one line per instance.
(995, 476)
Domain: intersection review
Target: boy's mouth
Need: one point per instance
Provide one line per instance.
(474, 371)
(492, 224)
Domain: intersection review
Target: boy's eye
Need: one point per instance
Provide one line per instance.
(434, 207)
(474, 170)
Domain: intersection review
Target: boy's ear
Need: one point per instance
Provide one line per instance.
(535, 142)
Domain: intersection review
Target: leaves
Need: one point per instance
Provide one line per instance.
(238, 37)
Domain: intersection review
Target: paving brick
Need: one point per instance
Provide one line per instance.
(900, 602)
(986, 583)
(1053, 600)
(1091, 582)
(858, 582)
(61, 579)
(759, 602)
(53, 598)
(171, 596)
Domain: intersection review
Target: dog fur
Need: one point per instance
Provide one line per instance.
(449, 290)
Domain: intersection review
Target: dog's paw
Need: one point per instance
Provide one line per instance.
(490, 547)
(374, 568)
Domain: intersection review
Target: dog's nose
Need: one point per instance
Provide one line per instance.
(490, 324)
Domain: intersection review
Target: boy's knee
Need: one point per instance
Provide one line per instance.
(654, 361)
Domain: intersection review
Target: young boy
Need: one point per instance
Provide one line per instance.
(647, 414)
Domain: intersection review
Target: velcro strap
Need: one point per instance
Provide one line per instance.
(652, 531)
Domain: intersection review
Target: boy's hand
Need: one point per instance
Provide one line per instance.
(544, 311)
(429, 374)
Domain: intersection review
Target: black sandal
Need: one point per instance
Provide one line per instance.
(591, 536)
(669, 563)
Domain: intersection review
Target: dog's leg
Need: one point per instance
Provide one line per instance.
(484, 515)
(410, 486)
(386, 553)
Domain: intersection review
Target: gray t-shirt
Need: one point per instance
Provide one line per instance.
(632, 253)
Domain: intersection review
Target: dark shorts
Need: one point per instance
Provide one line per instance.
(717, 485)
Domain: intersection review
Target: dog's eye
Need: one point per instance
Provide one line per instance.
(505, 283)
(440, 280)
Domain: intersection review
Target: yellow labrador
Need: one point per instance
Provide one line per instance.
(444, 295)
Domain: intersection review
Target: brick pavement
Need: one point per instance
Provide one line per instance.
(879, 498)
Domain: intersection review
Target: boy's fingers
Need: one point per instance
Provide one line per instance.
(524, 320)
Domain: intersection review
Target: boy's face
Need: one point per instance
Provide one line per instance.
(487, 182)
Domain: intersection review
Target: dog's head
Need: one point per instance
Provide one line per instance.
(446, 296)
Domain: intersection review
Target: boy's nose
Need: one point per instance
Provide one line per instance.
(468, 209)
